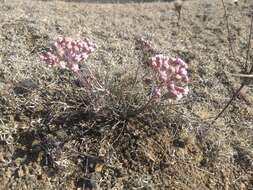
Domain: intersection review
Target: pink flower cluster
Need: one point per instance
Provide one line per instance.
(65, 53)
(170, 74)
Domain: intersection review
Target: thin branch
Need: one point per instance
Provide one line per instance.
(140, 109)
(230, 101)
(245, 81)
(242, 75)
(228, 30)
(248, 48)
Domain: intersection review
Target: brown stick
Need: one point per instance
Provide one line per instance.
(228, 30)
(245, 81)
(242, 75)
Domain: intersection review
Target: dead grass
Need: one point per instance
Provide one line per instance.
(52, 136)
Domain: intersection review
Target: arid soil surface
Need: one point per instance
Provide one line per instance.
(50, 140)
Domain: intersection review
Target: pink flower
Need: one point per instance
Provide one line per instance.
(166, 64)
(60, 51)
(60, 39)
(157, 92)
(183, 71)
(153, 64)
(180, 89)
(170, 75)
(163, 76)
(172, 69)
(186, 90)
(181, 62)
(178, 76)
(66, 53)
(62, 64)
(75, 68)
(84, 55)
(171, 86)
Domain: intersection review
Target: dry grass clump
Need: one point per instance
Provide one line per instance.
(54, 135)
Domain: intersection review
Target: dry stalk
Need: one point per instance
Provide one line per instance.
(231, 50)
(245, 82)
(243, 76)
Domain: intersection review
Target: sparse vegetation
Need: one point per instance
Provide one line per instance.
(58, 133)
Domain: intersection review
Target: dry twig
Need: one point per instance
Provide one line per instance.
(245, 82)
(228, 30)
(243, 75)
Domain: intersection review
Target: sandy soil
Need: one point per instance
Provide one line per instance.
(48, 139)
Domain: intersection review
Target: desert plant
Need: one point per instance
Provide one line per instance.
(165, 78)
(67, 53)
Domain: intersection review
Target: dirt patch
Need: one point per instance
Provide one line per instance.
(51, 139)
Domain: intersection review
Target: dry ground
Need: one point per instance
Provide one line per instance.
(50, 140)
